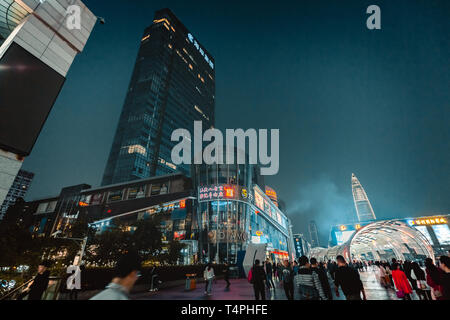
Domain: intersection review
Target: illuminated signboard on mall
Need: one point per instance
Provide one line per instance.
(429, 221)
(272, 194)
(202, 52)
(224, 192)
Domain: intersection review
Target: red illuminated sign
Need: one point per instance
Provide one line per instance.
(229, 192)
(182, 204)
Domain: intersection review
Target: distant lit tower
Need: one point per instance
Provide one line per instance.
(314, 234)
(362, 204)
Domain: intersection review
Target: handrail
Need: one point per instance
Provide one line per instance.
(16, 289)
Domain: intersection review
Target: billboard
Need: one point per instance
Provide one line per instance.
(28, 90)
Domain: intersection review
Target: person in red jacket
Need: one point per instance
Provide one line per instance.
(401, 281)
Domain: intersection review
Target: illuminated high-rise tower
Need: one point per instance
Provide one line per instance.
(362, 204)
(314, 234)
(173, 85)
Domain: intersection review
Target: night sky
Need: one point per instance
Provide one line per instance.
(346, 99)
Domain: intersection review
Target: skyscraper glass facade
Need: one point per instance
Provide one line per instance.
(362, 204)
(173, 85)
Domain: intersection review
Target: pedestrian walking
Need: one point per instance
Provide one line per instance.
(433, 278)
(279, 271)
(321, 272)
(226, 275)
(445, 277)
(349, 280)
(307, 282)
(39, 284)
(208, 275)
(269, 272)
(288, 280)
(126, 272)
(257, 276)
(418, 275)
(401, 282)
(383, 275)
(295, 268)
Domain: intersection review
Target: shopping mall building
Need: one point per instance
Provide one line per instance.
(403, 239)
(216, 214)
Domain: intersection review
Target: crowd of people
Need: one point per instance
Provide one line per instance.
(425, 278)
(312, 279)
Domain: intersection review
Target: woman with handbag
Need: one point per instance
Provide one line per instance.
(418, 275)
(401, 282)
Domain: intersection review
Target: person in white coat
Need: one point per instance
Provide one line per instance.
(208, 275)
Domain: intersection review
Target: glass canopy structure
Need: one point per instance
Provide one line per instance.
(381, 240)
(362, 204)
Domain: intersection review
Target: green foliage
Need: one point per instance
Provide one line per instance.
(146, 239)
(105, 248)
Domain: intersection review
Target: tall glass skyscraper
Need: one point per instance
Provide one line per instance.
(362, 204)
(173, 85)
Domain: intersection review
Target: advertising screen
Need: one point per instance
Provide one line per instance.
(28, 90)
(343, 236)
(259, 200)
(442, 233)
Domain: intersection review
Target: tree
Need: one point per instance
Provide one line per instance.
(174, 252)
(146, 239)
(107, 247)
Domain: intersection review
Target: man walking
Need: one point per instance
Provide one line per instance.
(269, 271)
(226, 275)
(257, 279)
(322, 277)
(288, 280)
(307, 282)
(348, 279)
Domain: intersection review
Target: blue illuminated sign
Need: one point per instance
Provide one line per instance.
(200, 49)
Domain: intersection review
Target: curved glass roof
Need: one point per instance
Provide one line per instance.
(381, 240)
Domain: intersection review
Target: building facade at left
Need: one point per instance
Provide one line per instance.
(39, 40)
(18, 190)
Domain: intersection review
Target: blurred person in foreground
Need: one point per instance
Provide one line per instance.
(126, 272)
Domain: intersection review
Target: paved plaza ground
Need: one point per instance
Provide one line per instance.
(240, 289)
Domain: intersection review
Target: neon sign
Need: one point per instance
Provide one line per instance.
(430, 221)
